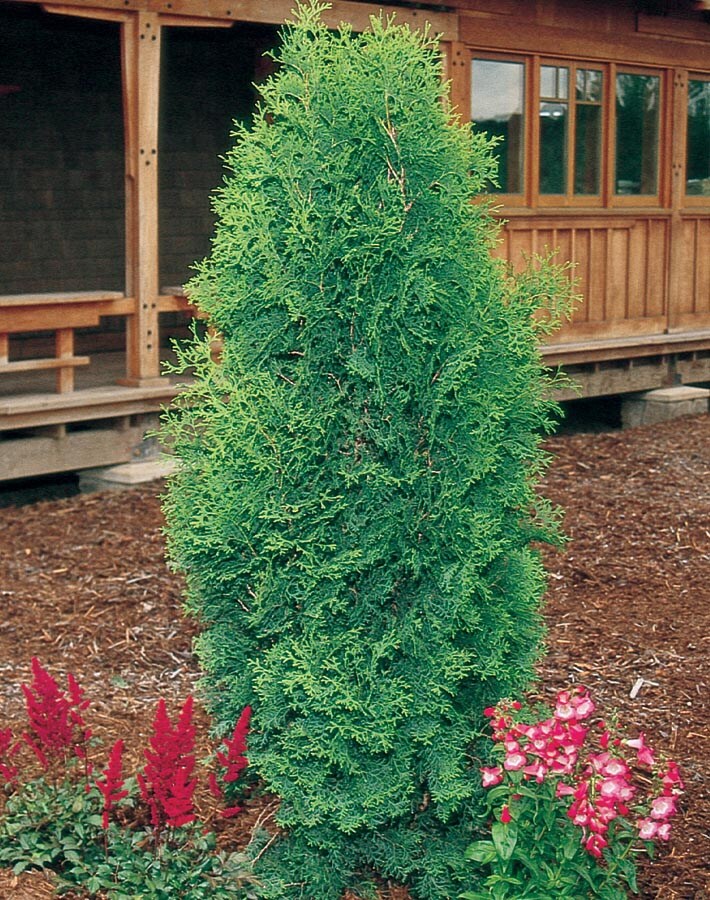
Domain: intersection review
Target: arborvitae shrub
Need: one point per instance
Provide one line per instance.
(355, 504)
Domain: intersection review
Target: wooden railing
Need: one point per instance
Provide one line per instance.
(61, 313)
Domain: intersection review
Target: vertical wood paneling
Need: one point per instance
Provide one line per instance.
(545, 241)
(685, 259)
(702, 267)
(656, 255)
(521, 245)
(637, 266)
(622, 270)
(617, 283)
(598, 280)
(582, 272)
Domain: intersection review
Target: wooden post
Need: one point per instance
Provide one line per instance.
(140, 51)
(676, 141)
(64, 349)
(458, 60)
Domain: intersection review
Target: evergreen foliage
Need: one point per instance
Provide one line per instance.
(355, 504)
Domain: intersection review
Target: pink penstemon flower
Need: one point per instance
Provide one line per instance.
(599, 786)
(663, 807)
(644, 754)
(491, 776)
(514, 761)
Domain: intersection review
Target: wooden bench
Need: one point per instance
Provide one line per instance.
(61, 313)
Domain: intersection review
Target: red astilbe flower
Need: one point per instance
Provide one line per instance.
(8, 748)
(55, 717)
(232, 760)
(166, 782)
(111, 786)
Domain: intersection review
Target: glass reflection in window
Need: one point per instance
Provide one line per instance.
(637, 117)
(698, 160)
(554, 124)
(588, 131)
(497, 102)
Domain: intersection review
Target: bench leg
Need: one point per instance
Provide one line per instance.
(64, 348)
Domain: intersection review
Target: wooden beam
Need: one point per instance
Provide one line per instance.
(88, 12)
(268, 12)
(59, 298)
(64, 349)
(276, 12)
(91, 404)
(140, 50)
(15, 319)
(195, 22)
(495, 33)
(41, 365)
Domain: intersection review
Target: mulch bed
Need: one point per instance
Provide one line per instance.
(85, 587)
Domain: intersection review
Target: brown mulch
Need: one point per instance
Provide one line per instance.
(84, 586)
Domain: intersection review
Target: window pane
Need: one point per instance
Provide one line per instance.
(497, 100)
(548, 81)
(563, 83)
(587, 146)
(589, 85)
(554, 82)
(553, 148)
(698, 170)
(637, 105)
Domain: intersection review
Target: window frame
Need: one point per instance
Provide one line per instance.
(691, 200)
(530, 198)
(664, 137)
(522, 199)
(569, 198)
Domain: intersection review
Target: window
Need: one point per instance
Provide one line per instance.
(582, 134)
(570, 130)
(637, 132)
(588, 131)
(497, 108)
(698, 153)
(554, 128)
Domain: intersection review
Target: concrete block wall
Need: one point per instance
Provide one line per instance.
(207, 84)
(61, 154)
(61, 145)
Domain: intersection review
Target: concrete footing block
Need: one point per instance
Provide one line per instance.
(663, 404)
(126, 475)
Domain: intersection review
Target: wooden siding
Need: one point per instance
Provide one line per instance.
(692, 307)
(619, 262)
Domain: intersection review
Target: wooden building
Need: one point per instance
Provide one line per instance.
(113, 115)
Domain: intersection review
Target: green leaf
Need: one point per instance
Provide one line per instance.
(505, 837)
(481, 851)
(571, 847)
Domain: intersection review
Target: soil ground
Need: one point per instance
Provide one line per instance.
(84, 586)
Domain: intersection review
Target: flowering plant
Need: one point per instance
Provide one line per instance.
(572, 803)
(89, 828)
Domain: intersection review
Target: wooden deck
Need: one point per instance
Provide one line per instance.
(99, 422)
(642, 251)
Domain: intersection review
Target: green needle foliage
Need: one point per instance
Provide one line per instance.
(355, 504)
